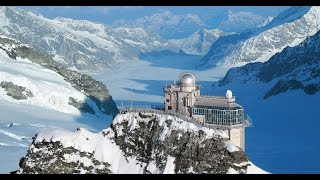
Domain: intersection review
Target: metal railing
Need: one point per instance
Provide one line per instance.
(148, 109)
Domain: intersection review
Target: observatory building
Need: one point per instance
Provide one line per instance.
(220, 112)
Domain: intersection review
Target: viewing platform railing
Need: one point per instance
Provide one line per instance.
(160, 110)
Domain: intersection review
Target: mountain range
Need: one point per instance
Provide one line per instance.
(289, 28)
(272, 67)
(79, 44)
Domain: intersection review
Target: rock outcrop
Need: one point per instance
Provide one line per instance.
(15, 91)
(136, 143)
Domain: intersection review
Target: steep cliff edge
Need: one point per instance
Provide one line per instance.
(137, 143)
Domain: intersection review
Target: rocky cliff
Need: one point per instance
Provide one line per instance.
(137, 143)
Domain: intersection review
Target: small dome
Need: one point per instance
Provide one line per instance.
(187, 79)
(229, 94)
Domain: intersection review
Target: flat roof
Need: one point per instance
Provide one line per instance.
(214, 101)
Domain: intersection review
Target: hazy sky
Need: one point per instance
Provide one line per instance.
(107, 14)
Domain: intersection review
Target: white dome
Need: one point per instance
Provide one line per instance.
(187, 79)
(229, 94)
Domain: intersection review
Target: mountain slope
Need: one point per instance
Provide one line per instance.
(79, 43)
(288, 29)
(137, 143)
(199, 42)
(36, 93)
(294, 68)
(282, 97)
(94, 90)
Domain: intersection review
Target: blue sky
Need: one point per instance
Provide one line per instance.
(108, 14)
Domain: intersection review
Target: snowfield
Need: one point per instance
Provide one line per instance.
(48, 109)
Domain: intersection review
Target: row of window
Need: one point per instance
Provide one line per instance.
(218, 107)
(220, 117)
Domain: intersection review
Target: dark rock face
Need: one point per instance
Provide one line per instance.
(82, 106)
(92, 88)
(16, 92)
(150, 139)
(192, 150)
(283, 86)
(42, 162)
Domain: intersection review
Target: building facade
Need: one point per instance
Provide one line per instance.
(220, 112)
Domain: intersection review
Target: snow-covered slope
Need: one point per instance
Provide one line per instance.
(290, 28)
(36, 93)
(93, 90)
(199, 42)
(294, 68)
(137, 143)
(282, 97)
(79, 43)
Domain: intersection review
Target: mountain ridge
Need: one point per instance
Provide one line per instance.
(261, 44)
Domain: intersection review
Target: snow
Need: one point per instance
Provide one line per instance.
(199, 42)
(266, 41)
(231, 148)
(169, 168)
(232, 171)
(49, 88)
(103, 148)
(3, 19)
(177, 124)
(20, 120)
(253, 169)
(14, 136)
(33, 119)
(272, 144)
(148, 77)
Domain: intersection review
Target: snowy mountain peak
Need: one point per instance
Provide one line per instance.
(292, 69)
(290, 28)
(199, 42)
(137, 143)
(80, 44)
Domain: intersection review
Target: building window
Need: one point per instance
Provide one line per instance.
(167, 100)
(169, 107)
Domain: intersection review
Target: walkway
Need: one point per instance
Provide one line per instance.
(183, 117)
